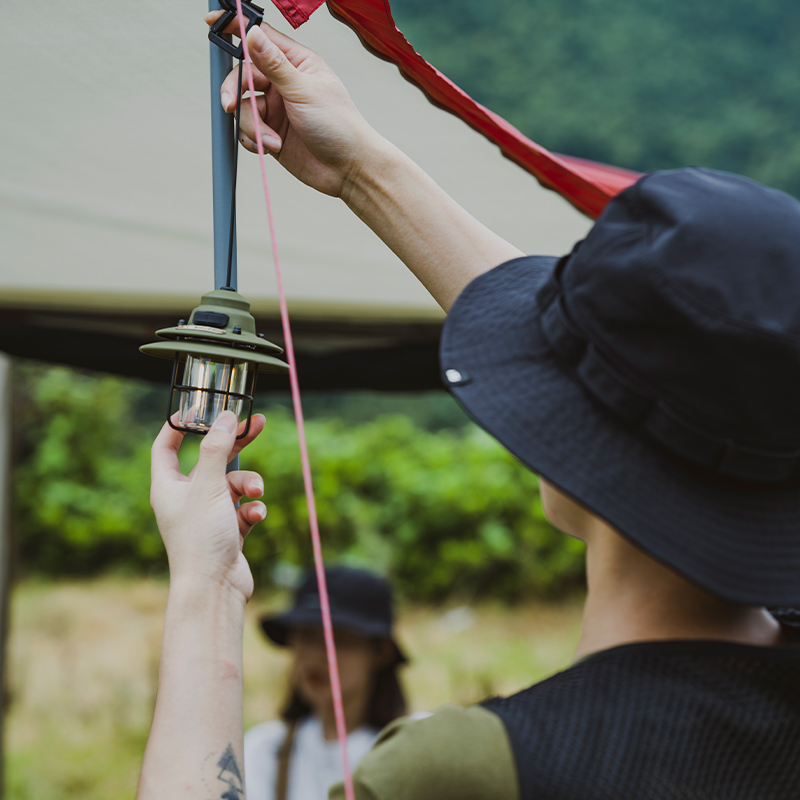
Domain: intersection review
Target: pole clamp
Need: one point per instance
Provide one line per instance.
(254, 14)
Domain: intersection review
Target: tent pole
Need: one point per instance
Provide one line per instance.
(223, 144)
(5, 534)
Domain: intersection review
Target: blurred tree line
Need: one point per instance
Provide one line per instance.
(427, 498)
(642, 84)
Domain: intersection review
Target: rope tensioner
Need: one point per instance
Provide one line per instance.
(255, 16)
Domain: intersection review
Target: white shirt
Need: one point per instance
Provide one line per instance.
(315, 764)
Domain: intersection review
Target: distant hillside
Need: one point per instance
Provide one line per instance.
(644, 84)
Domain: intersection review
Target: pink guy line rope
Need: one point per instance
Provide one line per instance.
(330, 648)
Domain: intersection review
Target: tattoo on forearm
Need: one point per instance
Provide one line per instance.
(230, 774)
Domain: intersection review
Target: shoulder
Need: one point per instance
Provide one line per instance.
(455, 753)
(261, 745)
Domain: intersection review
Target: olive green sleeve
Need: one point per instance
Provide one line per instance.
(458, 753)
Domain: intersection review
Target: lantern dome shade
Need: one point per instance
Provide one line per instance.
(265, 362)
(221, 327)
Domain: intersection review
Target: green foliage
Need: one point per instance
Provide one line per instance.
(430, 410)
(642, 84)
(81, 479)
(440, 511)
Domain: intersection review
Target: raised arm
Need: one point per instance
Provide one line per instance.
(195, 744)
(309, 123)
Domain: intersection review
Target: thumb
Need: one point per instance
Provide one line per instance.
(272, 62)
(216, 447)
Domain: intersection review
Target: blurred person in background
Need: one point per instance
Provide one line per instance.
(297, 757)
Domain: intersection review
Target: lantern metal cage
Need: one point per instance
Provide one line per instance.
(221, 354)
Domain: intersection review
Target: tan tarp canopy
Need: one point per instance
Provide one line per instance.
(105, 191)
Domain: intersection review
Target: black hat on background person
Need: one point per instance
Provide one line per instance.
(361, 604)
(360, 601)
(653, 375)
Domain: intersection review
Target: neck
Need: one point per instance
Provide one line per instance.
(633, 598)
(355, 711)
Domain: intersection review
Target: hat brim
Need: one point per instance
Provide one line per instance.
(276, 627)
(743, 545)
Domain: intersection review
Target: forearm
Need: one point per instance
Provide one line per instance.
(442, 244)
(195, 744)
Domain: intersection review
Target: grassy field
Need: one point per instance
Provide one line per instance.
(83, 671)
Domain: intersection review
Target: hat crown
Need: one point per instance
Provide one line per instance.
(350, 591)
(689, 284)
(360, 602)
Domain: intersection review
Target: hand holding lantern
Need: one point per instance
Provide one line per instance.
(202, 523)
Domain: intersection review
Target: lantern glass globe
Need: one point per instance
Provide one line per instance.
(209, 387)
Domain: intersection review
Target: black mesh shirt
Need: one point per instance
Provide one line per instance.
(662, 721)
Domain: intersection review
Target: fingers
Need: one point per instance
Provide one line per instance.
(245, 483)
(273, 63)
(223, 435)
(269, 116)
(212, 17)
(250, 514)
(164, 462)
(230, 88)
(247, 133)
(257, 422)
(217, 447)
(231, 27)
(248, 143)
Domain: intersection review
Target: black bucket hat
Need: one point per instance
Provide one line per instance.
(360, 602)
(654, 375)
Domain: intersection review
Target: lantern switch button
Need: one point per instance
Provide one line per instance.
(211, 318)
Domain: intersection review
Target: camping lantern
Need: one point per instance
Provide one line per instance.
(216, 358)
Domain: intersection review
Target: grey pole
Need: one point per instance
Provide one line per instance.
(223, 144)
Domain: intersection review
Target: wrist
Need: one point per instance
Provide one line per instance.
(206, 593)
(375, 161)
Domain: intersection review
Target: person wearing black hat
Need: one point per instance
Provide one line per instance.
(298, 757)
(652, 378)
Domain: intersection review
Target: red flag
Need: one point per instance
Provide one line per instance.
(588, 185)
